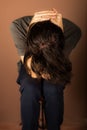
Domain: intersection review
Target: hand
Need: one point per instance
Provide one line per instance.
(58, 20)
(51, 15)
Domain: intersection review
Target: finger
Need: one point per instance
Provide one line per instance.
(54, 10)
(49, 12)
(44, 16)
(40, 19)
(42, 12)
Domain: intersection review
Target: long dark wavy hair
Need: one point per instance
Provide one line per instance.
(45, 44)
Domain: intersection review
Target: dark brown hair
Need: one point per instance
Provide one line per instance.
(45, 43)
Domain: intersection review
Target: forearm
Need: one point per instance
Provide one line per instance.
(72, 35)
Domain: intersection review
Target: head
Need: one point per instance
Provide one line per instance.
(45, 44)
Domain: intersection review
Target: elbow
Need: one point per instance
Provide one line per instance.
(78, 33)
(76, 36)
(12, 27)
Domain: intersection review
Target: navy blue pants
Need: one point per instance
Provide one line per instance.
(31, 91)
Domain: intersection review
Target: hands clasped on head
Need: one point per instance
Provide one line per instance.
(51, 15)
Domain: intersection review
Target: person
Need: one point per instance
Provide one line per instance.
(44, 42)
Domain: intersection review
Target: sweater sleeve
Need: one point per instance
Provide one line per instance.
(72, 35)
(18, 30)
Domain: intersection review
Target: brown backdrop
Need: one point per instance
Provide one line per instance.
(75, 94)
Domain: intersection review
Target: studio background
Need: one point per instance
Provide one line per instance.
(75, 110)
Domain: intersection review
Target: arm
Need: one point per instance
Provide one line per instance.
(19, 27)
(19, 33)
(71, 31)
(72, 35)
